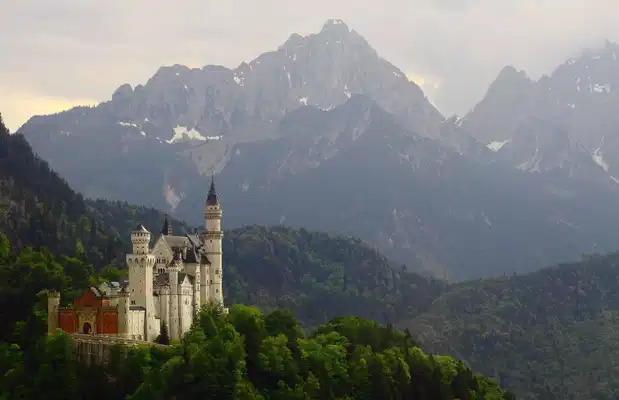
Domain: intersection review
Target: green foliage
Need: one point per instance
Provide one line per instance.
(319, 276)
(24, 279)
(242, 354)
(214, 361)
(38, 209)
(546, 335)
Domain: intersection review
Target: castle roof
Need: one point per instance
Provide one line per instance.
(192, 257)
(192, 243)
(212, 199)
(164, 279)
(178, 242)
(140, 228)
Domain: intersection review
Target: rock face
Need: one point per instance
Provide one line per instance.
(567, 121)
(324, 133)
(199, 113)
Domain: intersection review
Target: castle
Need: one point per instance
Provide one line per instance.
(167, 285)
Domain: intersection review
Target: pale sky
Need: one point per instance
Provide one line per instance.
(58, 53)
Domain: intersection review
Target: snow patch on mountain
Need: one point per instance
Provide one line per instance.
(124, 123)
(497, 145)
(181, 132)
(601, 88)
(171, 197)
(239, 80)
(599, 159)
(486, 219)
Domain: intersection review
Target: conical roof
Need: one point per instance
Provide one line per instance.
(212, 199)
(140, 228)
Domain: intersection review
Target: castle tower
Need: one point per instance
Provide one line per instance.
(53, 303)
(175, 298)
(123, 313)
(140, 264)
(211, 275)
(167, 226)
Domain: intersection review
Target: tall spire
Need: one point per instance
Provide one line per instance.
(212, 199)
(167, 226)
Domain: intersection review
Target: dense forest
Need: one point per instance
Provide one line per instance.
(320, 276)
(241, 355)
(39, 209)
(551, 334)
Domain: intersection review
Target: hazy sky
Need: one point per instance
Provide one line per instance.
(59, 53)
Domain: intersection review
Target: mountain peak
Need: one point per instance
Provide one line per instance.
(509, 73)
(335, 25)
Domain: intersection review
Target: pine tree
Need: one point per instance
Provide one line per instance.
(163, 337)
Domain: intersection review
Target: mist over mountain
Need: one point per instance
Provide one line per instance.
(326, 134)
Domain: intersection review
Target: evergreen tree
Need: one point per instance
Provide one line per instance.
(163, 337)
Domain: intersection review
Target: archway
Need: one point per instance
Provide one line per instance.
(87, 328)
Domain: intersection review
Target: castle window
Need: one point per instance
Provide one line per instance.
(216, 290)
(132, 302)
(216, 272)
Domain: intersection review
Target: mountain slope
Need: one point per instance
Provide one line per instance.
(39, 209)
(551, 334)
(356, 171)
(319, 276)
(159, 135)
(566, 121)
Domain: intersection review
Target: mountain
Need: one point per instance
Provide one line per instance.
(158, 136)
(565, 121)
(551, 334)
(356, 171)
(325, 134)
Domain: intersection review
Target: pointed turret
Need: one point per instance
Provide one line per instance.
(210, 271)
(212, 199)
(167, 226)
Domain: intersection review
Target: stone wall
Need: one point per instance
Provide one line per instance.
(95, 349)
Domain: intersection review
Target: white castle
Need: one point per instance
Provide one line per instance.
(167, 285)
(180, 273)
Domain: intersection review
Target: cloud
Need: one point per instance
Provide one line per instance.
(75, 49)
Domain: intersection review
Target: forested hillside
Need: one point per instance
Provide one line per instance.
(248, 355)
(39, 209)
(320, 276)
(241, 355)
(547, 335)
